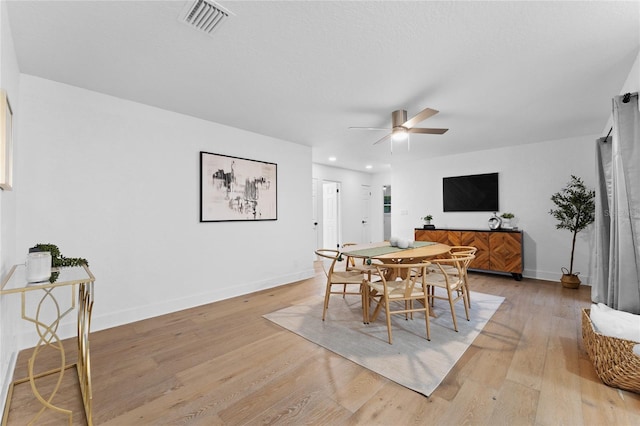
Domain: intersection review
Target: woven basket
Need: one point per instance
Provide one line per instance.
(613, 358)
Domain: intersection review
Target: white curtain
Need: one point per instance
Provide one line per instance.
(617, 261)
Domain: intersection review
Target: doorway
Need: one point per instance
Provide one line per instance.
(331, 227)
(386, 206)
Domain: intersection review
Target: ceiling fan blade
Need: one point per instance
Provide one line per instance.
(422, 115)
(369, 128)
(382, 139)
(429, 131)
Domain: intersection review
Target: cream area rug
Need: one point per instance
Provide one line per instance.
(411, 361)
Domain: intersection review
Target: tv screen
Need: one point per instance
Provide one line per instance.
(472, 193)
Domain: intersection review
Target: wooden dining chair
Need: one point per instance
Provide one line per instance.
(457, 251)
(346, 279)
(462, 251)
(449, 274)
(399, 296)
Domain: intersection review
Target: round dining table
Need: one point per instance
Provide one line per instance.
(385, 253)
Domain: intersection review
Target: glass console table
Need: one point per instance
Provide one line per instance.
(80, 282)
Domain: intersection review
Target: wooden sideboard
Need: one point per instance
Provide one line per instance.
(498, 251)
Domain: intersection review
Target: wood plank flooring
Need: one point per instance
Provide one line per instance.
(223, 364)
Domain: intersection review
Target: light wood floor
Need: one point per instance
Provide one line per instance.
(223, 363)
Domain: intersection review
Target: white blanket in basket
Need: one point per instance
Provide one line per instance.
(613, 323)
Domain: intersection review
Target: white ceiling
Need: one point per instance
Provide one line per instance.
(500, 73)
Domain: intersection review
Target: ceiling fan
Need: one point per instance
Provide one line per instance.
(401, 127)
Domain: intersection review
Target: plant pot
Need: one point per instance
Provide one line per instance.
(570, 281)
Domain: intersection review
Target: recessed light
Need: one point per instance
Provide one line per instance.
(368, 166)
(332, 158)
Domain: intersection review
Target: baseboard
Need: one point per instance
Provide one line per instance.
(552, 276)
(537, 275)
(29, 338)
(114, 319)
(8, 378)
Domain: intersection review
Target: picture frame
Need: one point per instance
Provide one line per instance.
(6, 142)
(237, 189)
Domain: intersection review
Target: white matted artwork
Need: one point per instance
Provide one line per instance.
(237, 189)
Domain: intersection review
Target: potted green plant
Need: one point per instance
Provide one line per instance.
(58, 260)
(576, 209)
(506, 220)
(427, 221)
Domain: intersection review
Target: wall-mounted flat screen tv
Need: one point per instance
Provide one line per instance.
(472, 193)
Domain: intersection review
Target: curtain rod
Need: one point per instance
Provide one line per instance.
(625, 99)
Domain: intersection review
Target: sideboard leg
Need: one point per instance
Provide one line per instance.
(517, 277)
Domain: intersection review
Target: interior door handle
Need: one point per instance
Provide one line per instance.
(364, 221)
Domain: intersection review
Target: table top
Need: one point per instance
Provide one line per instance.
(384, 252)
(16, 282)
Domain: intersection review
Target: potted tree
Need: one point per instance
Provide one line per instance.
(575, 211)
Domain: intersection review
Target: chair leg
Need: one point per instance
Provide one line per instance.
(453, 311)
(466, 301)
(364, 290)
(327, 293)
(386, 311)
(466, 288)
(376, 311)
(426, 315)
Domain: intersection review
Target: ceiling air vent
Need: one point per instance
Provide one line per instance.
(204, 15)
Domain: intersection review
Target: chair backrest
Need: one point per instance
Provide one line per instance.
(462, 250)
(459, 261)
(410, 275)
(330, 254)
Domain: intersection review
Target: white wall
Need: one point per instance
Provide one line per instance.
(9, 310)
(117, 182)
(632, 84)
(378, 180)
(529, 175)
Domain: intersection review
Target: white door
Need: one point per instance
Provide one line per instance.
(330, 216)
(365, 209)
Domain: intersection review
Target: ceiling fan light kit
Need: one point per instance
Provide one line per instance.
(399, 134)
(401, 127)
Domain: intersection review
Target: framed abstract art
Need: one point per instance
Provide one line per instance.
(237, 189)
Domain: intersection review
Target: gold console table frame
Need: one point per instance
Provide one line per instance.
(79, 278)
